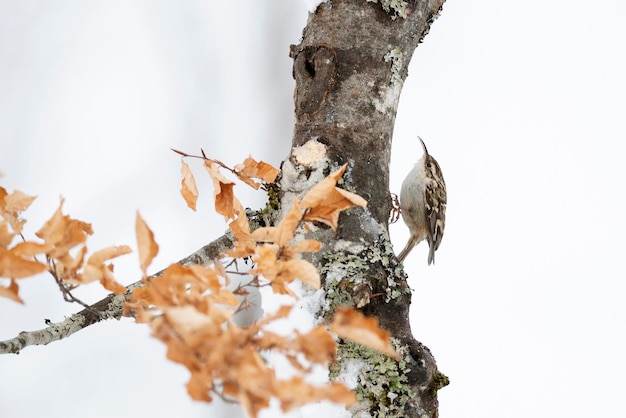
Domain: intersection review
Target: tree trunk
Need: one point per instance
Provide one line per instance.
(349, 70)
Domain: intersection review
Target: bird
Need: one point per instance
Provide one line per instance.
(423, 201)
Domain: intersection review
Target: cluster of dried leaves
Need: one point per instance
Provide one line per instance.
(61, 236)
(190, 308)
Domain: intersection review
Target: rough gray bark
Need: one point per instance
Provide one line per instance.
(349, 69)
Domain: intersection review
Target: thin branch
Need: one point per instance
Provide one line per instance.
(66, 289)
(112, 306)
(205, 158)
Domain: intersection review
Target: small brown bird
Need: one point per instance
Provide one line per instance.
(423, 202)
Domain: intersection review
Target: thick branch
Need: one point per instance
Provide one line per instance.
(349, 68)
(112, 306)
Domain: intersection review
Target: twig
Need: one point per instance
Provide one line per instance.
(205, 158)
(65, 288)
(112, 306)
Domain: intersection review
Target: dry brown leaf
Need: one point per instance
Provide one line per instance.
(226, 203)
(282, 312)
(140, 298)
(63, 232)
(224, 297)
(280, 288)
(110, 284)
(269, 340)
(250, 168)
(166, 289)
(307, 246)
(353, 325)
(207, 277)
(6, 237)
(30, 249)
(296, 392)
(177, 348)
(19, 261)
(320, 191)
(258, 169)
(304, 246)
(326, 201)
(16, 265)
(254, 380)
(90, 273)
(11, 292)
(195, 286)
(188, 188)
(294, 361)
(188, 321)
(220, 270)
(68, 267)
(281, 273)
(263, 234)
(299, 269)
(287, 226)
(318, 346)
(328, 211)
(17, 202)
(255, 185)
(11, 205)
(242, 248)
(96, 270)
(199, 386)
(239, 226)
(146, 246)
(222, 191)
(266, 261)
(53, 230)
(105, 254)
(282, 233)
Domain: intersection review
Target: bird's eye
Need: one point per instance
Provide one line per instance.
(429, 165)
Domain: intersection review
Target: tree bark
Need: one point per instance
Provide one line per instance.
(349, 69)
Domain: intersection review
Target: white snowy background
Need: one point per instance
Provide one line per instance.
(523, 104)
